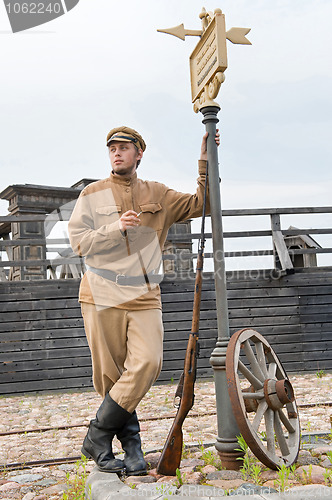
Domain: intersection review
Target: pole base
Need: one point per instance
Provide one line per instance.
(229, 452)
(231, 460)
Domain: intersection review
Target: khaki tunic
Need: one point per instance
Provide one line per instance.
(94, 233)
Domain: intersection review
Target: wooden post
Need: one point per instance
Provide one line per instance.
(282, 258)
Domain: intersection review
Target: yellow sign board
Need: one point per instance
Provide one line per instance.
(208, 60)
(209, 56)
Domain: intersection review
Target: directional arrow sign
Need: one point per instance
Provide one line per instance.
(181, 32)
(234, 35)
(237, 35)
(208, 60)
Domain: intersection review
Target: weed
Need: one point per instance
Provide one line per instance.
(186, 453)
(250, 470)
(246, 459)
(210, 458)
(201, 446)
(328, 477)
(164, 490)
(329, 456)
(179, 479)
(284, 473)
(256, 473)
(76, 485)
(329, 437)
(307, 476)
(262, 435)
(320, 374)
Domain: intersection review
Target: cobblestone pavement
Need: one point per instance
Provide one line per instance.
(22, 413)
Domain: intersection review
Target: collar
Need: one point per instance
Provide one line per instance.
(124, 180)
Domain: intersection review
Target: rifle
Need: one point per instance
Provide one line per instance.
(171, 455)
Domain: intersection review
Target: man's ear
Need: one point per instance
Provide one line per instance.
(140, 154)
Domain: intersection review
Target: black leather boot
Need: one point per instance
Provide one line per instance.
(129, 437)
(97, 444)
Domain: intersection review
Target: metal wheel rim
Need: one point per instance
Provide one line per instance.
(282, 424)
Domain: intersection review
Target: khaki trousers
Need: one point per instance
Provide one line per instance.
(126, 349)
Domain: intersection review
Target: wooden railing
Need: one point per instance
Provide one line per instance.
(66, 265)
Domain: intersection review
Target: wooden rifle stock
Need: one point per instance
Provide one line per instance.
(171, 455)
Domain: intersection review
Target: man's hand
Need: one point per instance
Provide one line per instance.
(128, 219)
(204, 141)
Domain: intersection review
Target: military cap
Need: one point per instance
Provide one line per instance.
(126, 134)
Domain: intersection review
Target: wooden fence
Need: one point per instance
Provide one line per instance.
(286, 245)
(43, 345)
(42, 340)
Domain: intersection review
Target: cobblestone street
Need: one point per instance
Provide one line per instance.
(23, 413)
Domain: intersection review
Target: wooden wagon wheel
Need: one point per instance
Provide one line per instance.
(262, 399)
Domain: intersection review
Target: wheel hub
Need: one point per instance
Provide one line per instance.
(278, 393)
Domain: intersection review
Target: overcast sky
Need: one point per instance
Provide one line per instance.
(65, 84)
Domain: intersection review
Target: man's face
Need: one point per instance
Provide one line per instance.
(124, 157)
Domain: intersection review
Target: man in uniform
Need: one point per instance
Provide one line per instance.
(119, 224)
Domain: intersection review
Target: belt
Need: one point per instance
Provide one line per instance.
(123, 280)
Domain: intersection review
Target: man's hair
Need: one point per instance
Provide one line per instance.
(138, 161)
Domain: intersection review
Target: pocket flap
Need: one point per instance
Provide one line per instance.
(108, 209)
(151, 207)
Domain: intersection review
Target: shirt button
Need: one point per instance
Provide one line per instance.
(127, 190)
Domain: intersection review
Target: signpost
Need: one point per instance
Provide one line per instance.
(208, 62)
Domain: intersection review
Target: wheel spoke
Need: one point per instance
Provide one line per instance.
(285, 421)
(262, 407)
(250, 376)
(280, 435)
(253, 361)
(261, 357)
(272, 369)
(253, 395)
(268, 416)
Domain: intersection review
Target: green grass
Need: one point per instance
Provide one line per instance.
(76, 485)
(284, 474)
(250, 470)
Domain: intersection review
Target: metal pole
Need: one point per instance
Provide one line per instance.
(227, 427)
